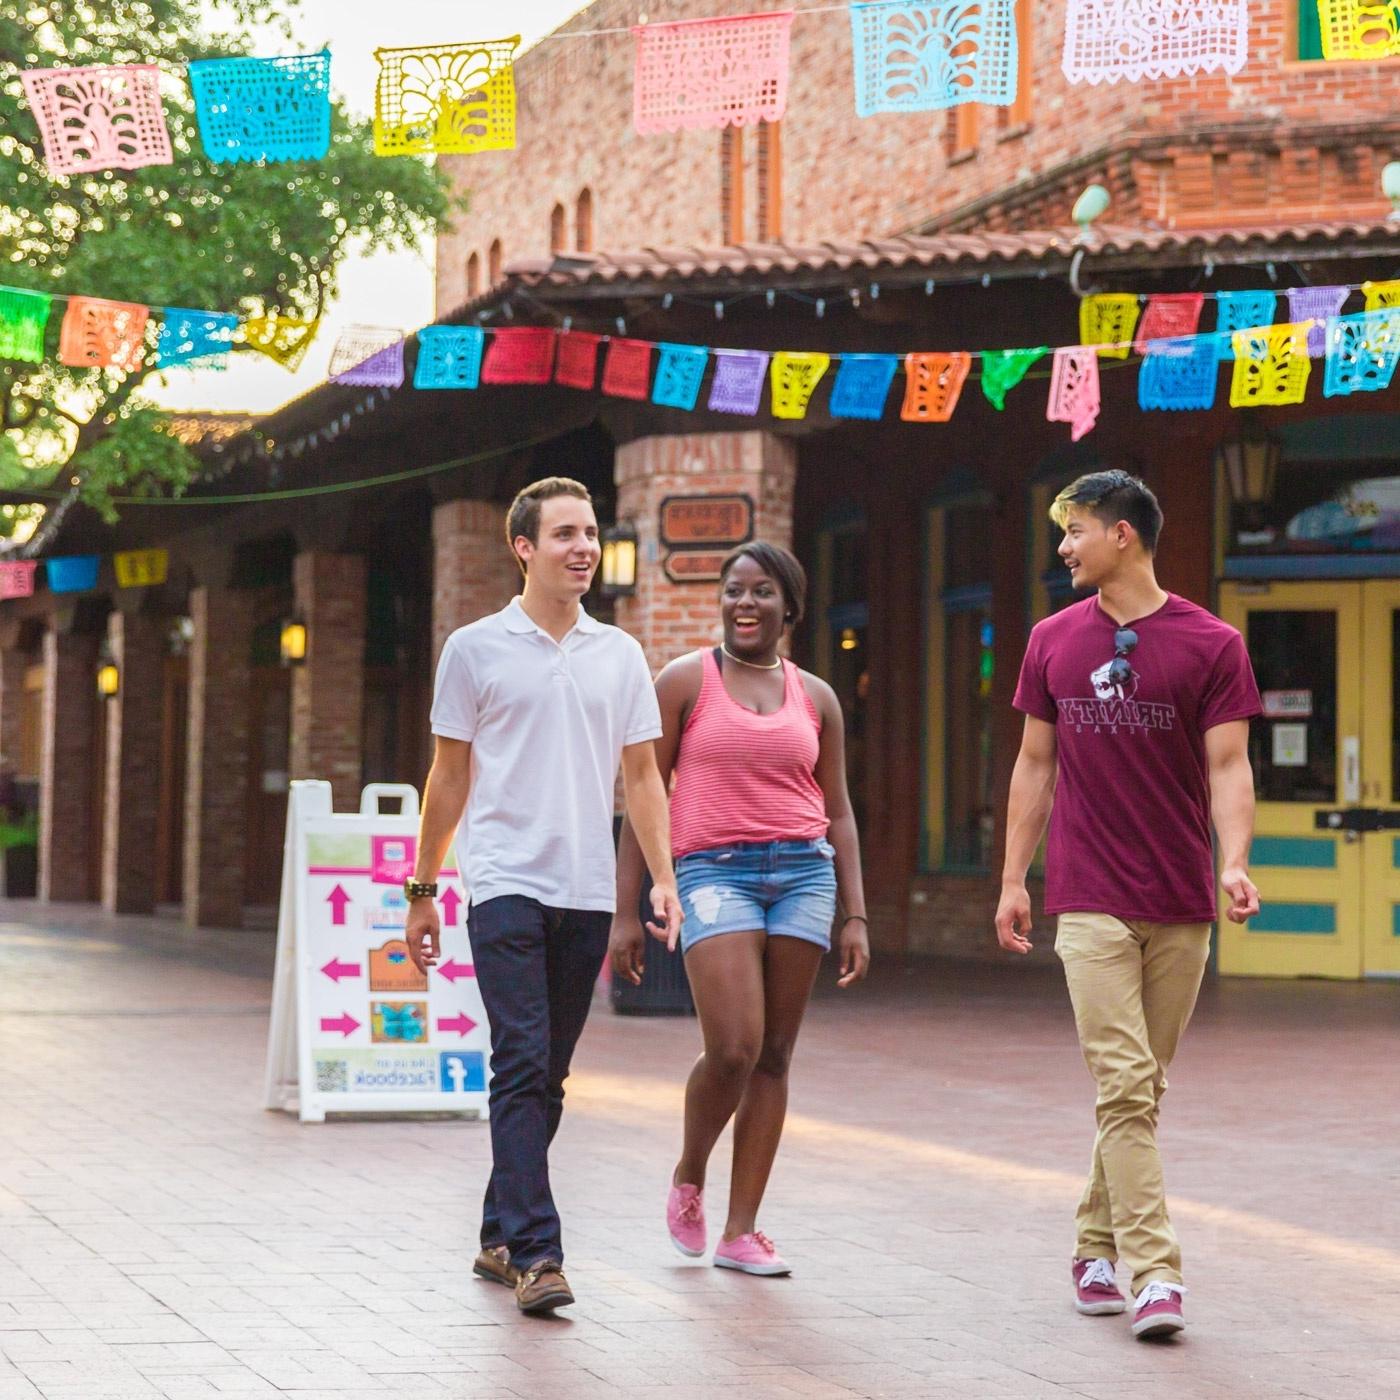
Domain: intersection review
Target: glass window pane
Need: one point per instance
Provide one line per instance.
(970, 819)
(1297, 652)
(965, 540)
(850, 679)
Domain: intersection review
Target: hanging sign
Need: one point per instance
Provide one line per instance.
(706, 520)
(356, 1028)
(1287, 704)
(141, 568)
(694, 565)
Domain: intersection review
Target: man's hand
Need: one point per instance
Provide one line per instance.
(424, 934)
(666, 911)
(1244, 898)
(627, 948)
(1014, 919)
(855, 952)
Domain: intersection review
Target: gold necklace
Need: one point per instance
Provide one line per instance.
(757, 665)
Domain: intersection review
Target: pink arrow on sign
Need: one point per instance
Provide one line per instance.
(345, 1023)
(453, 970)
(338, 899)
(461, 1024)
(336, 970)
(451, 903)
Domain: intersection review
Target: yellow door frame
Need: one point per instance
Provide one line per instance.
(1310, 881)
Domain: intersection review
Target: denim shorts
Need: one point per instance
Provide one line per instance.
(787, 888)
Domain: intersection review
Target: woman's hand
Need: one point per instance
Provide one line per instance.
(855, 951)
(627, 947)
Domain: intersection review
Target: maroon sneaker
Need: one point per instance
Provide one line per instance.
(1095, 1288)
(1157, 1312)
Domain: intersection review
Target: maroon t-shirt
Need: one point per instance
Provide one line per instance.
(1130, 828)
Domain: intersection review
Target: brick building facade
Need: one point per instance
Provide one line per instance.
(928, 548)
(1285, 140)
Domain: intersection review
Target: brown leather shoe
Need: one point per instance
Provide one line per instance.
(494, 1263)
(542, 1287)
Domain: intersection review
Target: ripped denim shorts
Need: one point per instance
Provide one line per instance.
(787, 888)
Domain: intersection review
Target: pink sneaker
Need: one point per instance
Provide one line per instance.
(685, 1219)
(1096, 1288)
(1157, 1312)
(751, 1254)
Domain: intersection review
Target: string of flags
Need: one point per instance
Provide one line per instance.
(78, 573)
(1272, 360)
(1179, 370)
(460, 99)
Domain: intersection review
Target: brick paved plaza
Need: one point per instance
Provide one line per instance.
(162, 1235)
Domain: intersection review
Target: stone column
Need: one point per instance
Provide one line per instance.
(668, 618)
(474, 573)
(133, 764)
(328, 687)
(216, 766)
(66, 768)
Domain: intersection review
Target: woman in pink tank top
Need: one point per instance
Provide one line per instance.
(764, 837)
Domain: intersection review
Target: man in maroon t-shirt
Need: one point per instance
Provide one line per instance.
(1137, 708)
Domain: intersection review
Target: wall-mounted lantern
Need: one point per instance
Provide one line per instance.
(292, 642)
(109, 680)
(619, 567)
(1251, 463)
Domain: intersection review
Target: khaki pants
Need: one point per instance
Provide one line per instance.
(1133, 987)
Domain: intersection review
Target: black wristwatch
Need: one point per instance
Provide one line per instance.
(420, 889)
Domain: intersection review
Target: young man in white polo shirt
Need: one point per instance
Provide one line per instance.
(533, 710)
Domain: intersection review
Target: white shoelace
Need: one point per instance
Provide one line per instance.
(1159, 1292)
(1099, 1271)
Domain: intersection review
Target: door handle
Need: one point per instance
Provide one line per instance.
(1351, 769)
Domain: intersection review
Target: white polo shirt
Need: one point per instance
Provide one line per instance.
(547, 722)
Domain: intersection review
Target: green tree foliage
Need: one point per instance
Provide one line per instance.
(255, 239)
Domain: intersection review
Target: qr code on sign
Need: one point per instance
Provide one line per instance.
(332, 1076)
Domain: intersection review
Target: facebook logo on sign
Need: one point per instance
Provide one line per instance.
(462, 1072)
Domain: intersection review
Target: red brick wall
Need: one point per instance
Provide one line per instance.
(216, 771)
(670, 619)
(133, 765)
(13, 664)
(66, 780)
(850, 177)
(328, 689)
(473, 572)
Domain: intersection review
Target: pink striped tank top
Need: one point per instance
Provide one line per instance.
(744, 777)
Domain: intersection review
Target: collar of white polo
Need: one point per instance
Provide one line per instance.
(518, 620)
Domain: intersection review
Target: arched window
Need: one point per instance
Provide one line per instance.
(493, 261)
(557, 232)
(583, 221)
(474, 275)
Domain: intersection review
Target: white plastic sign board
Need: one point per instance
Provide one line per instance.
(356, 1028)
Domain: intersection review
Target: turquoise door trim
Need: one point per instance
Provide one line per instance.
(1296, 852)
(1395, 919)
(1295, 918)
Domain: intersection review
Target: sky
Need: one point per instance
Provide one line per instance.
(385, 289)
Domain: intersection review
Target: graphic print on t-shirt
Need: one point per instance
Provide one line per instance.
(1115, 707)
(1130, 828)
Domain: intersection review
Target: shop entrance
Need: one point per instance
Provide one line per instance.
(1326, 763)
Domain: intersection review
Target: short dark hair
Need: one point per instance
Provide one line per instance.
(523, 518)
(779, 564)
(1112, 496)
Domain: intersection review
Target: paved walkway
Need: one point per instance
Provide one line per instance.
(161, 1235)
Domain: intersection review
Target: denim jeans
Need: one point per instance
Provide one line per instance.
(535, 968)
